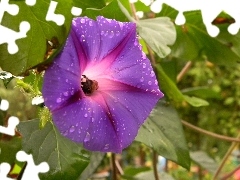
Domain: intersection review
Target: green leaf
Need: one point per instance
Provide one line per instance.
(168, 86)
(202, 92)
(129, 172)
(8, 149)
(66, 159)
(89, 4)
(163, 132)
(194, 43)
(33, 48)
(112, 11)
(202, 159)
(95, 160)
(196, 102)
(158, 33)
(173, 93)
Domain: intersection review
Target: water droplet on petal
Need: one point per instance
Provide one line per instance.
(82, 21)
(90, 23)
(102, 32)
(66, 80)
(65, 133)
(86, 115)
(117, 33)
(59, 100)
(72, 129)
(144, 65)
(87, 137)
(111, 34)
(142, 79)
(149, 82)
(65, 93)
(106, 147)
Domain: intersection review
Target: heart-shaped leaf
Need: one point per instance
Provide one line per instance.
(163, 132)
(66, 159)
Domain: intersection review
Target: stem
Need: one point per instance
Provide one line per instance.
(203, 131)
(155, 161)
(114, 168)
(225, 158)
(184, 71)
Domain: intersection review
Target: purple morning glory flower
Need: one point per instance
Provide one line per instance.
(101, 87)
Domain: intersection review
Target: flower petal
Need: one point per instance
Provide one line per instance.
(99, 38)
(87, 122)
(62, 79)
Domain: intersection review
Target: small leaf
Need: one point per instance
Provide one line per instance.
(196, 102)
(66, 159)
(163, 132)
(202, 92)
(204, 161)
(158, 33)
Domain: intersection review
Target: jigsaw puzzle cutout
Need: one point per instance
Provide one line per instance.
(8, 35)
(12, 121)
(4, 170)
(209, 10)
(32, 170)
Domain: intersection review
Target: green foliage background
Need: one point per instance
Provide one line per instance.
(207, 96)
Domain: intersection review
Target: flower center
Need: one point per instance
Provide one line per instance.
(88, 85)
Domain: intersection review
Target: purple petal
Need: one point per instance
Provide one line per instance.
(88, 123)
(61, 80)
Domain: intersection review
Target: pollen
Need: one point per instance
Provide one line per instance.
(88, 86)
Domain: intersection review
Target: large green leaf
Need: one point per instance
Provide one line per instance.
(194, 43)
(66, 159)
(112, 11)
(33, 48)
(8, 149)
(158, 33)
(163, 132)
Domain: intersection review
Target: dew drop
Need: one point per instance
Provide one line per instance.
(106, 147)
(85, 115)
(59, 100)
(66, 80)
(149, 82)
(72, 129)
(106, 33)
(65, 133)
(87, 137)
(93, 119)
(82, 21)
(144, 65)
(111, 34)
(152, 74)
(102, 32)
(65, 93)
(90, 23)
(117, 33)
(142, 79)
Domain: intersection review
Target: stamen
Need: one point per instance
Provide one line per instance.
(88, 85)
